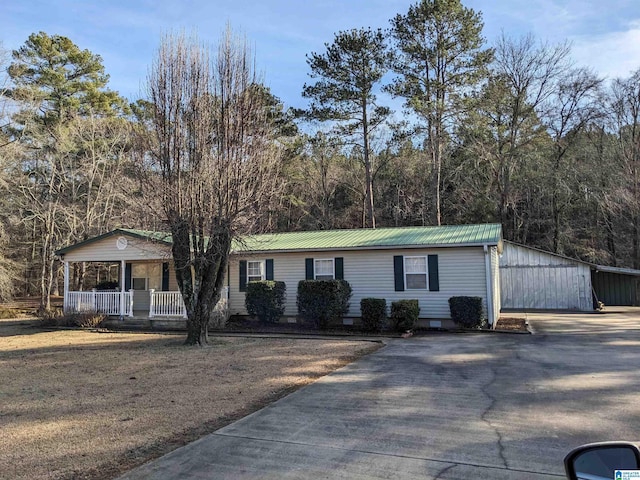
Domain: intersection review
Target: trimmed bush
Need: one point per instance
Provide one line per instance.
(404, 314)
(322, 302)
(265, 300)
(374, 314)
(466, 311)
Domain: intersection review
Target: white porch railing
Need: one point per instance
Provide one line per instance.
(170, 304)
(166, 304)
(107, 303)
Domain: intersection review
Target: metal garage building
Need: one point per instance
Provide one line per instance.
(532, 279)
(616, 286)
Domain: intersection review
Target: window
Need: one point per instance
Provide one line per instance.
(146, 276)
(415, 273)
(324, 269)
(255, 271)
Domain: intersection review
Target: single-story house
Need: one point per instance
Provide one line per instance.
(430, 264)
(534, 279)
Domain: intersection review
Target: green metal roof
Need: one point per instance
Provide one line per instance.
(447, 235)
(443, 236)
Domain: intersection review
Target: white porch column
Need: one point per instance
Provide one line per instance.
(65, 301)
(151, 302)
(122, 290)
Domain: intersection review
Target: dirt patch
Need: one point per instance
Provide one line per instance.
(77, 404)
(514, 324)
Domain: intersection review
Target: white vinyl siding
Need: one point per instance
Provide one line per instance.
(324, 268)
(370, 274)
(495, 277)
(105, 250)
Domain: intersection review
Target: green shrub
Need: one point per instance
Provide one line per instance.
(265, 300)
(404, 314)
(374, 314)
(323, 301)
(466, 311)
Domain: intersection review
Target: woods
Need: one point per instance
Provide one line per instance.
(510, 132)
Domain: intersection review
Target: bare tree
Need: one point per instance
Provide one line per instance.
(626, 112)
(574, 104)
(217, 161)
(528, 73)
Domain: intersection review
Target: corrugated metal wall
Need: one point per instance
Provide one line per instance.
(531, 279)
(615, 289)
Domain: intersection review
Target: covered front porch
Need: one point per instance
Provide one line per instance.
(131, 276)
(140, 289)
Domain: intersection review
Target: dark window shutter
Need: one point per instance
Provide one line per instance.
(308, 267)
(165, 277)
(338, 264)
(243, 275)
(268, 275)
(434, 279)
(398, 272)
(127, 277)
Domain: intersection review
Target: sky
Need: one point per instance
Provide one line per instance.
(126, 33)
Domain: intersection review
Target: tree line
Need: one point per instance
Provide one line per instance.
(512, 133)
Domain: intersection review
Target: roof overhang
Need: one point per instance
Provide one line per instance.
(366, 247)
(618, 270)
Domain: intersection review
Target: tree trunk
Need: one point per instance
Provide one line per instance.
(367, 169)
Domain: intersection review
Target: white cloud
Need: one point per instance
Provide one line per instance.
(614, 54)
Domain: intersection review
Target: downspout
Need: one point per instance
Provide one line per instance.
(487, 265)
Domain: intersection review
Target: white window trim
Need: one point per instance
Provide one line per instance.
(426, 271)
(333, 267)
(262, 270)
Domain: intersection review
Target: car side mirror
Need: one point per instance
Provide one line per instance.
(600, 461)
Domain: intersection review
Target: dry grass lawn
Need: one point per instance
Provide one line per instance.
(79, 404)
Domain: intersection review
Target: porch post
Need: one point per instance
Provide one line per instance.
(122, 305)
(65, 301)
(151, 302)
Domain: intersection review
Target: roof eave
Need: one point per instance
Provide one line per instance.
(366, 247)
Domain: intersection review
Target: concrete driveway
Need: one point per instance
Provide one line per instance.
(612, 320)
(444, 406)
